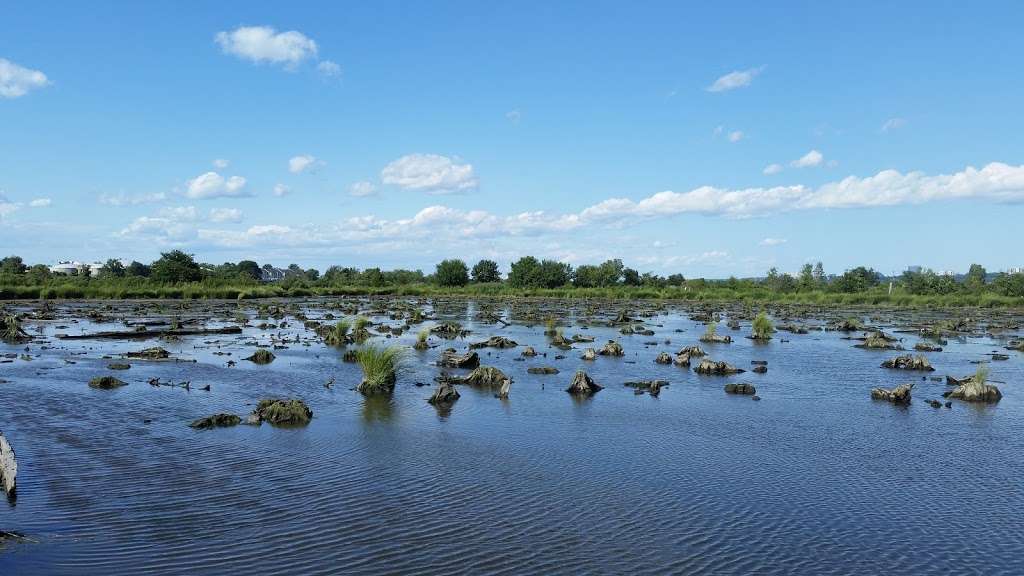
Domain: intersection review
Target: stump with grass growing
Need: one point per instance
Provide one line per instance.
(106, 383)
(280, 412)
(336, 335)
(261, 356)
(11, 331)
(761, 329)
(380, 368)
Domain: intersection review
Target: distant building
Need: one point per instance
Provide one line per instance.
(271, 274)
(75, 268)
(1017, 270)
(914, 269)
(947, 273)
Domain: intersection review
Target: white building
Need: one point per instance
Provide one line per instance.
(74, 268)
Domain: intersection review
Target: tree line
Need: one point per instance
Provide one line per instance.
(528, 272)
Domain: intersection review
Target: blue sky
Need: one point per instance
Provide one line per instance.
(707, 140)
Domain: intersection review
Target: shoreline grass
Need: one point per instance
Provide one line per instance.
(99, 289)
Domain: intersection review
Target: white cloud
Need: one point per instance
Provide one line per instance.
(328, 69)
(996, 181)
(363, 188)
(812, 158)
(159, 229)
(225, 215)
(514, 116)
(16, 81)
(213, 185)
(893, 124)
(281, 190)
(6, 206)
(40, 203)
(180, 213)
(264, 44)
(221, 163)
(734, 80)
(430, 172)
(772, 169)
(735, 136)
(452, 230)
(125, 200)
(303, 163)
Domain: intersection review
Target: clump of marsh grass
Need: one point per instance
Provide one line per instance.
(711, 330)
(11, 330)
(421, 339)
(762, 327)
(380, 368)
(261, 356)
(550, 326)
(558, 339)
(360, 332)
(336, 335)
(980, 375)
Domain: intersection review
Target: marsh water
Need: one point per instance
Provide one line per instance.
(815, 478)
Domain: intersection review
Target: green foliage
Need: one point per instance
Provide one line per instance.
(980, 374)
(337, 335)
(527, 272)
(486, 271)
(380, 368)
(711, 329)
(762, 327)
(858, 279)
(452, 273)
(113, 268)
(138, 269)
(176, 266)
(12, 265)
(250, 269)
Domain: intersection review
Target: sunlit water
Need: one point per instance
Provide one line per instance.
(815, 478)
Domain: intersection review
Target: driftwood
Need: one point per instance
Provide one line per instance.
(8, 466)
(146, 334)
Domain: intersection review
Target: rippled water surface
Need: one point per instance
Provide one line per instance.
(815, 478)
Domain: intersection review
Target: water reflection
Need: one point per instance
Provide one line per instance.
(379, 408)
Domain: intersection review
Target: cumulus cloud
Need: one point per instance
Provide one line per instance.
(177, 225)
(996, 181)
(812, 158)
(328, 69)
(734, 80)
(303, 163)
(429, 172)
(263, 44)
(213, 185)
(281, 190)
(16, 81)
(40, 203)
(735, 136)
(126, 200)
(772, 169)
(225, 215)
(449, 227)
(221, 163)
(362, 188)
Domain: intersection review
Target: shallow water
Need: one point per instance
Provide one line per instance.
(815, 478)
